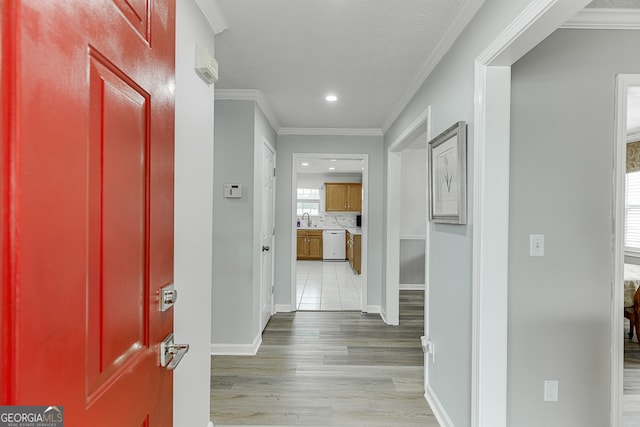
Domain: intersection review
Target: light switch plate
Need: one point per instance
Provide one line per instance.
(536, 245)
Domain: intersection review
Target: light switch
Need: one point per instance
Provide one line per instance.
(536, 245)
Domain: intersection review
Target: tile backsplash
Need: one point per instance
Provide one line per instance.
(330, 220)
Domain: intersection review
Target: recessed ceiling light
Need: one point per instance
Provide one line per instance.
(304, 164)
(331, 98)
(332, 169)
(333, 160)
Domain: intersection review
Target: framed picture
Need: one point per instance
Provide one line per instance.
(448, 176)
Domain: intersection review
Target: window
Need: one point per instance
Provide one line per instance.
(632, 212)
(308, 201)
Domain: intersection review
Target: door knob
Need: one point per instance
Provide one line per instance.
(265, 248)
(171, 354)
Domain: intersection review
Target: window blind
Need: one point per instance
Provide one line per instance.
(632, 212)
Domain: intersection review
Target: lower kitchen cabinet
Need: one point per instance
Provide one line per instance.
(309, 245)
(354, 251)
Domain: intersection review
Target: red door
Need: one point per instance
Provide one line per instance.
(86, 207)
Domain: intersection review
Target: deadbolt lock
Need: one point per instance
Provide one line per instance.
(168, 297)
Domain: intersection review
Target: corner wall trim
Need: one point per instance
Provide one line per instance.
(604, 19)
(237, 349)
(249, 95)
(331, 131)
(459, 23)
(214, 15)
(437, 408)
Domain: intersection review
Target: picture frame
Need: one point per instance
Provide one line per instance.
(448, 176)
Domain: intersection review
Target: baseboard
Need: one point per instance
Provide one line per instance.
(374, 308)
(411, 287)
(210, 424)
(237, 349)
(437, 408)
(283, 308)
(383, 315)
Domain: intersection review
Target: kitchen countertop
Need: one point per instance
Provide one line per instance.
(352, 230)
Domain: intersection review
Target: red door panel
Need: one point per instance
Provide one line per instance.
(86, 207)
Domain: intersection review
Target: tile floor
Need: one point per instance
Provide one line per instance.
(327, 286)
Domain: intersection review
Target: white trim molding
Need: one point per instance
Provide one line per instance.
(249, 95)
(436, 407)
(623, 82)
(604, 19)
(283, 308)
(210, 424)
(412, 286)
(237, 349)
(374, 309)
(212, 12)
(331, 131)
(633, 135)
(459, 23)
(492, 104)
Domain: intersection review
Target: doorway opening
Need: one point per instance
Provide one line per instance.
(626, 353)
(415, 136)
(329, 238)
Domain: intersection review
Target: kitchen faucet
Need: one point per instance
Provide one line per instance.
(308, 218)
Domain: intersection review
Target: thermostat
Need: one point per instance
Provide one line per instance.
(233, 191)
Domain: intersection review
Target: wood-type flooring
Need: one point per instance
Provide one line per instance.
(327, 369)
(631, 383)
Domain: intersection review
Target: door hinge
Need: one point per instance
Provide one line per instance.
(274, 171)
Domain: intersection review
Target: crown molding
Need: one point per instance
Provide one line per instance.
(331, 131)
(460, 22)
(212, 12)
(249, 95)
(604, 19)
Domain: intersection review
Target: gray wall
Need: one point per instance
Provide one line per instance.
(562, 151)
(449, 91)
(240, 130)
(232, 298)
(193, 219)
(289, 144)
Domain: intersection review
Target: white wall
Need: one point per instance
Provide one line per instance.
(413, 216)
(562, 149)
(289, 144)
(413, 193)
(317, 180)
(193, 219)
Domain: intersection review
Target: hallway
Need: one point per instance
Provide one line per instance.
(327, 369)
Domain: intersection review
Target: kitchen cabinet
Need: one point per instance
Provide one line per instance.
(309, 244)
(354, 251)
(343, 197)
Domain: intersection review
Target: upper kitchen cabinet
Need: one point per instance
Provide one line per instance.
(343, 197)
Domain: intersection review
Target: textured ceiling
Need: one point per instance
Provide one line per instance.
(367, 52)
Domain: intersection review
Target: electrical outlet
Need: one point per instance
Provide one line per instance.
(550, 390)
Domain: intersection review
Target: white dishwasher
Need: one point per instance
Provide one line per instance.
(333, 245)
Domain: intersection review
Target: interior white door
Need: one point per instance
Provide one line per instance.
(267, 231)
